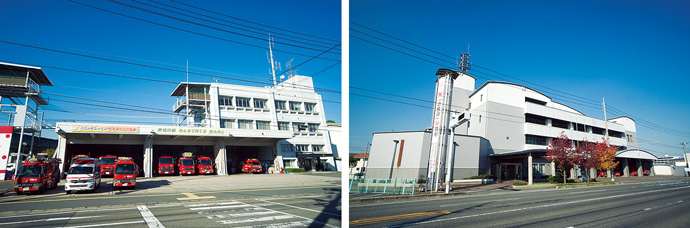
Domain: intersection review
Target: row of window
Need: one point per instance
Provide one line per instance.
(261, 103)
(541, 120)
(266, 125)
(301, 148)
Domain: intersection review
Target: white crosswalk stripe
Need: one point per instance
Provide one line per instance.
(236, 214)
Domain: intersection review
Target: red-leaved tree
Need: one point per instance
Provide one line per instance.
(606, 155)
(586, 156)
(560, 152)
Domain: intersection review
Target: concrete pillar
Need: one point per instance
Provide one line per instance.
(553, 169)
(593, 173)
(500, 172)
(60, 152)
(530, 171)
(609, 173)
(626, 168)
(221, 157)
(651, 169)
(639, 167)
(148, 157)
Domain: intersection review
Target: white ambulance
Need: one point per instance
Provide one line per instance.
(84, 175)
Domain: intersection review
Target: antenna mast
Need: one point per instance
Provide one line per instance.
(273, 65)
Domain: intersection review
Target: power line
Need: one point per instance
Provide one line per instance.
(207, 26)
(192, 32)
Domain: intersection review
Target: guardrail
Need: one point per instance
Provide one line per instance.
(390, 186)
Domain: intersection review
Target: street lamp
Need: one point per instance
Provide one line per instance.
(450, 155)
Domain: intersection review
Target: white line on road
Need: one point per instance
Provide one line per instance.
(572, 193)
(535, 207)
(315, 196)
(212, 204)
(218, 207)
(308, 219)
(67, 212)
(109, 224)
(49, 219)
(262, 219)
(301, 208)
(229, 211)
(668, 204)
(240, 215)
(281, 225)
(151, 220)
(478, 202)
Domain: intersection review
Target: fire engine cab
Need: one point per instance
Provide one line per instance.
(125, 174)
(84, 175)
(77, 157)
(252, 165)
(166, 165)
(186, 164)
(205, 165)
(37, 174)
(107, 164)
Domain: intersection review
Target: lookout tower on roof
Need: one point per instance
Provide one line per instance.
(20, 97)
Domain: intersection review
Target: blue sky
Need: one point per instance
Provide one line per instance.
(67, 26)
(633, 53)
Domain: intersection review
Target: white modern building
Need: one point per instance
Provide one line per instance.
(283, 126)
(507, 134)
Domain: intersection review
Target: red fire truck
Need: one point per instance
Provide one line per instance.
(125, 174)
(166, 165)
(77, 157)
(37, 175)
(107, 164)
(186, 164)
(205, 165)
(252, 165)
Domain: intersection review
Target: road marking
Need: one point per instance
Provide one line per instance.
(262, 219)
(66, 212)
(573, 193)
(228, 211)
(281, 225)
(191, 196)
(668, 204)
(478, 202)
(535, 207)
(315, 196)
(109, 224)
(49, 219)
(367, 221)
(240, 215)
(212, 204)
(73, 196)
(151, 220)
(306, 209)
(218, 207)
(312, 221)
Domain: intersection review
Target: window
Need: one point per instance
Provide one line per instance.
(313, 127)
(559, 123)
(534, 101)
(302, 147)
(480, 118)
(280, 105)
(296, 127)
(529, 118)
(283, 126)
(225, 123)
(224, 101)
(263, 125)
(242, 102)
(289, 163)
(309, 107)
(285, 147)
(245, 124)
(535, 140)
(259, 103)
(295, 106)
(538, 169)
(317, 148)
(481, 97)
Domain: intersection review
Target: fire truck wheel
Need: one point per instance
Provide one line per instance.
(66, 192)
(19, 193)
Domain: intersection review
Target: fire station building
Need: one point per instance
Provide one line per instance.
(284, 126)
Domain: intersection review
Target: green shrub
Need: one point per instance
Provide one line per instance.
(555, 179)
(519, 182)
(483, 176)
(294, 170)
(421, 181)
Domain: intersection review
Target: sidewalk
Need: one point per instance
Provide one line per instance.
(481, 189)
(5, 186)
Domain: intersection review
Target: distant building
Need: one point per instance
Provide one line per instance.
(360, 167)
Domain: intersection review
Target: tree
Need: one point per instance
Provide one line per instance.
(49, 151)
(606, 155)
(586, 156)
(353, 161)
(560, 152)
(330, 121)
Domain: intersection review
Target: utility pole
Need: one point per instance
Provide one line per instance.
(606, 121)
(273, 65)
(687, 166)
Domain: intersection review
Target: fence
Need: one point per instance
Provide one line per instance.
(392, 186)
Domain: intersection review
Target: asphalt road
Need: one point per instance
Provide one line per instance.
(309, 201)
(648, 204)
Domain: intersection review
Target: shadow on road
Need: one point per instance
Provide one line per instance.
(331, 207)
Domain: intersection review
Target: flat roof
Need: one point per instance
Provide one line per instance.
(180, 89)
(36, 74)
(517, 153)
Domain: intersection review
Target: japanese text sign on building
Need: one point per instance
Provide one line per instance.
(189, 131)
(105, 129)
